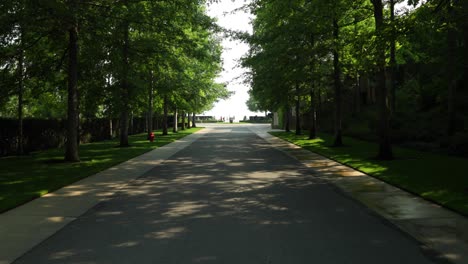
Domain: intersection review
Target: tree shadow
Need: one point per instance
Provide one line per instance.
(235, 200)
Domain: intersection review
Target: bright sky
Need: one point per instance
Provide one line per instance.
(232, 52)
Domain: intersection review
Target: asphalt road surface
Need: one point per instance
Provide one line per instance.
(229, 198)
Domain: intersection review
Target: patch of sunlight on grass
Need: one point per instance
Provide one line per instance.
(42, 192)
(439, 178)
(95, 161)
(368, 167)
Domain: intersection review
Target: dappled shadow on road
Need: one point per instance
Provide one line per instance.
(224, 199)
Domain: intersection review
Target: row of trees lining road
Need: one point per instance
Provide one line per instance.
(402, 75)
(79, 59)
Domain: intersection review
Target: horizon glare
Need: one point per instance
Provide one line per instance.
(233, 50)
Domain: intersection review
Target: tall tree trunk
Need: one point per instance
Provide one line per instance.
(357, 87)
(288, 118)
(357, 94)
(109, 112)
(125, 94)
(337, 84)
(183, 120)
(313, 112)
(465, 65)
(150, 104)
(165, 112)
(465, 40)
(20, 147)
(193, 120)
(123, 135)
(174, 128)
(298, 114)
(451, 70)
(71, 147)
(385, 148)
(392, 57)
(318, 93)
(131, 129)
(111, 129)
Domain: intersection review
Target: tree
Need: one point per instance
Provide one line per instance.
(385, 149)
(71, 150)
(120, 44)
(337, 84)
(149, 114)
(277, 61)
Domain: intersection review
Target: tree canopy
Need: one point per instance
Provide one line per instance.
(367, 65)
(73, 59)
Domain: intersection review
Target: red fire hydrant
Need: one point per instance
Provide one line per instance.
(151, 137)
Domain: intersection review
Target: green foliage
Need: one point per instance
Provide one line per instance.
(119, 45)
(292, 43)
(173, 39)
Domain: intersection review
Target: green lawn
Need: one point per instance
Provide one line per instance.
(442, 179)
(25, 178)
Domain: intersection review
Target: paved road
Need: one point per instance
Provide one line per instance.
(229, 198)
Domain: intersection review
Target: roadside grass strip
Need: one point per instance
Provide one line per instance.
(23, 178)
(438, 178)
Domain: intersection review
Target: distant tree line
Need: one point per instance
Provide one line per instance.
(366, 65)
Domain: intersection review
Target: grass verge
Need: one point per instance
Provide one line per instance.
(23, 178)
(438, 178)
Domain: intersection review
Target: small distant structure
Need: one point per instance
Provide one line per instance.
(205, 119)
(276, 122)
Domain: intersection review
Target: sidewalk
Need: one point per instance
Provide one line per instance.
(26, 226)
(439, 229)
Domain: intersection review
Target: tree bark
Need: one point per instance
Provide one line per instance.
(123, 135)
(183, 120)
(111, 129)
(298, 114)
(193, 120)
(174, 128)
(385, 148)
(451, 70)
(165, 112)
(150, 104)
(20, 147)
(465, 65)
(125, 94)
(337, 85)
(313, 113)
(392, 57)
(71, 147)
(288, 118)
(357, 86)
(109, 112)
(357, 95)
(131, 129)
(464, 11)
